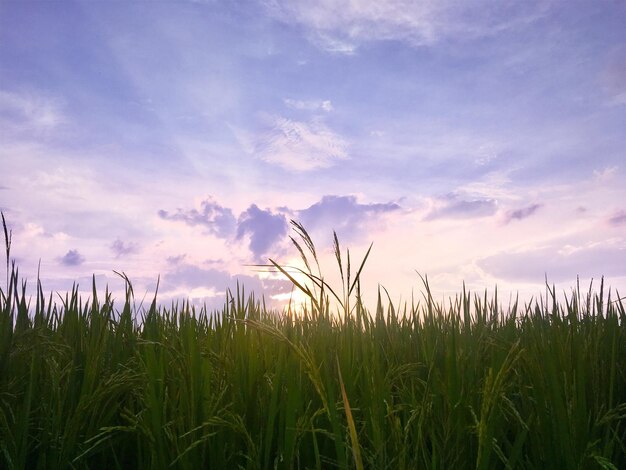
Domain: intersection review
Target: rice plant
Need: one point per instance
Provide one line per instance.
(97, 383)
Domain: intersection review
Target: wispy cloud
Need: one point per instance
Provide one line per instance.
(493, 185)
(336, 22)
(452, 206)
(522, 213)
(618, 218)
(606, 173)
(72, 258)
(559, 263)
(31, 112)
(299, 146)
(614, 75)
(309, 105)
(334, 44)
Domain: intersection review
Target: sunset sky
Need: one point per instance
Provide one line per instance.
(477, 141)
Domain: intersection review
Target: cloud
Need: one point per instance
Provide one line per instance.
(175, 260)
(451, 206)
(219, 220)
(333, 44)
(339, 212)
(299, 146)
(493, 185)
(618, 218)
(72, 258)
(559, 263)
(263, 227)
(190, 278)
(121, 248)
(29, 111)
(605, 174)
(339, 26)
(519, 214)
(312, 105)
(614, 76)
(188, 275)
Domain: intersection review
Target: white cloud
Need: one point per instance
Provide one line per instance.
(334, 45)
(494, 185)
(338, 23)
(486, 154)
(309, 105)
(29, 111)
(339, 26)
(300, 146)
(618, 100)
(454, 206)
(605, 174)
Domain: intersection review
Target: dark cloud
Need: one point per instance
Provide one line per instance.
(337, 212)
(219, 220)
(72, 258)
(519, 214)
(558, 264)
(452, 207)
(619, 218)
(121, 248)
(264, 228)
(176, 259)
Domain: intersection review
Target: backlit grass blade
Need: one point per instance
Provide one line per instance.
(354, 439)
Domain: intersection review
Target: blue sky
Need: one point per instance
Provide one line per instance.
(479, 141)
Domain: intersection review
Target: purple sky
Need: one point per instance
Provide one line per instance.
(480, 141)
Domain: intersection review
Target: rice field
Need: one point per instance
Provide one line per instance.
(99, 383)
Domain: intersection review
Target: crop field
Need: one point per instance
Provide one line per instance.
(101, 384)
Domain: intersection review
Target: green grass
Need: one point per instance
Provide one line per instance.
(97, 384)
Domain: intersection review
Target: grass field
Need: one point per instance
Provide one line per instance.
(87, 383)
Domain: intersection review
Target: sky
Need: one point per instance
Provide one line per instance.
(478, 142)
